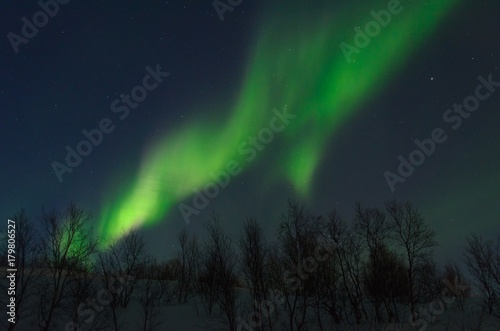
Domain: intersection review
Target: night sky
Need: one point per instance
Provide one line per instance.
(176, 94)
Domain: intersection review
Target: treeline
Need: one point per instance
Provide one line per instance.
(319, 272)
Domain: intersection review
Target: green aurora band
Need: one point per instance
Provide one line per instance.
(297, 61)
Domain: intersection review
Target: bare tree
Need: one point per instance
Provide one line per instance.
(68, 247)
(372, 226)
(329, 291)
(298, 243)
(80, 289)
(383, 282)
(218, 275)
(187, 265)
(347, 251)
(182, 265)
(122, 260)
(276, 284)
(414, 237)
(350, 254)
(206, 284)
(482, 258)
(455, 280)
(253, 262)
(429, 281)
(153, 294)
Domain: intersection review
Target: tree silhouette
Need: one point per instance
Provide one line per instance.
(218, 276)
(371, 271)
(414, 237)
(482, 258)
(68, 248)
(253, 261)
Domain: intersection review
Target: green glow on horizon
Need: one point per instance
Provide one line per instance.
(295, 63)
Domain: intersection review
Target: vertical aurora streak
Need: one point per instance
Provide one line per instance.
(296, 61)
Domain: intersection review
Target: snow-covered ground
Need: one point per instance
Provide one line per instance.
(192, 316)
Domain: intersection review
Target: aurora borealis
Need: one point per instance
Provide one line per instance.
(354, 108)
(314, 79)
